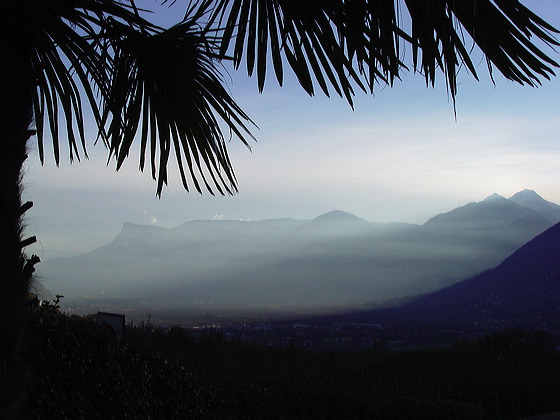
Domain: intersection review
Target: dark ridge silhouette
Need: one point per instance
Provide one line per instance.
(523, 291)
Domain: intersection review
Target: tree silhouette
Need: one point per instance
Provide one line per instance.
(163, 88)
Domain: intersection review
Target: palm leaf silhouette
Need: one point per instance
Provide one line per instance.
(167, 83)
(136, 76)
(339, 44)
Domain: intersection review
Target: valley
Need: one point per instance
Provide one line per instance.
(239, 272)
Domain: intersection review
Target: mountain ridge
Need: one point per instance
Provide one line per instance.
(336, 259)
(522, 291)
(532, 200)
(524, 198)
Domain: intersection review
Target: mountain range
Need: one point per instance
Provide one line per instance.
(521, 292)
(524, 290)
(334, 261)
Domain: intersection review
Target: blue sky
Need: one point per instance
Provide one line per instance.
(399, 156)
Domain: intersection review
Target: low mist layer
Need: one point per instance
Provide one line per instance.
(333, 262)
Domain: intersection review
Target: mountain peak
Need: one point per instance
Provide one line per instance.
(493, 197)
(526, 195)
(129, 226)
(530, 199)
(338, 215)
(133, 230)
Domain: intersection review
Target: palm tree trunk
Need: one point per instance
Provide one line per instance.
(16, 87)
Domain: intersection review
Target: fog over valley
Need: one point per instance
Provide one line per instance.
(336, 261)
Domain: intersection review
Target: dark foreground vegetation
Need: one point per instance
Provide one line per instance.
(79, 370)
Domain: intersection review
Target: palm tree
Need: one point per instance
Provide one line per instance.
(163, 87)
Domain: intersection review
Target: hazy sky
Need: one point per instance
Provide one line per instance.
(399, 156)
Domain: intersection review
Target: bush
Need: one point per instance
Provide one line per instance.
(79, 370)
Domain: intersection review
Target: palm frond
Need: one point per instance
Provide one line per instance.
(133, 74)
(302, 33)
(164, 86)
(167, 83)
(503, 32)
(69, 63)
(343, 43)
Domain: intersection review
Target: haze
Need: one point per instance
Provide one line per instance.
(400, 156)
(336, 261)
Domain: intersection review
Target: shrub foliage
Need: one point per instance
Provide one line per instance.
(78, 370)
